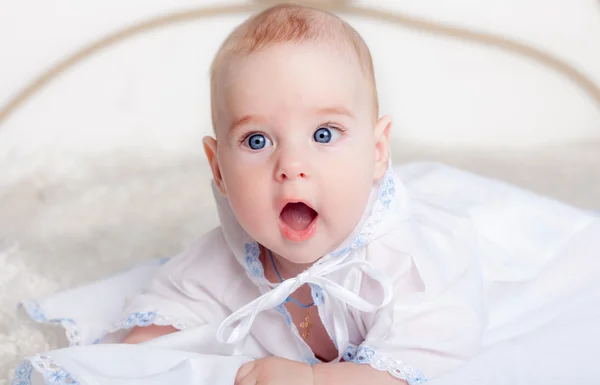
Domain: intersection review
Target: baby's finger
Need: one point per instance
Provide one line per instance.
(244, 375)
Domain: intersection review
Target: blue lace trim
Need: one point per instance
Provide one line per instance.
(366, 355)
(140, 319)
(52, 373)
(34, 311)
(23, 374)
(286, 315)
(58, 376)
(255, 267)
(146, 318)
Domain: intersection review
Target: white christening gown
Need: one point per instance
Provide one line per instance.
(449, 278)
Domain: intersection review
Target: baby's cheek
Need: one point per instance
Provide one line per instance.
(257, 217)
(347, 206)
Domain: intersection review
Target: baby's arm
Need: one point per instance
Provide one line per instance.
(147, 333)
(347, 373)
(277, 370)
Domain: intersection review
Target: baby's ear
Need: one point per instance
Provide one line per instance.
(382, 146)
(210, 149)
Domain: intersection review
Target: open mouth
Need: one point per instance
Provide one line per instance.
(298, 221)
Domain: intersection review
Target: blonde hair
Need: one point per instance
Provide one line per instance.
(287, 23)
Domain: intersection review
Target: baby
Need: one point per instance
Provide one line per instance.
(297, 153)
(330, 266)
(298, 145)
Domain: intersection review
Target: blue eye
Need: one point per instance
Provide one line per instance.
(325, 135)
(258, 141)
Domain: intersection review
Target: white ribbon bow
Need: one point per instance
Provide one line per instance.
(314, 275)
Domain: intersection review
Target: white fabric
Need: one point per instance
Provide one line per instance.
(155, 362)
(463, 276)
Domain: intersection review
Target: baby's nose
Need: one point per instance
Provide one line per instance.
(291, 167)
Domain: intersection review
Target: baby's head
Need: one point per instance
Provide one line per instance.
(298, 144)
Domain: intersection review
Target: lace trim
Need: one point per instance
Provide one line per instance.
(72, 332)
(23, 374)
(53, 374)
(286, 315)
(366, 355)
(147, 318)
(34, 311)
(252, 253)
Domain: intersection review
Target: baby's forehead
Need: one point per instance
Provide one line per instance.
(293, 77)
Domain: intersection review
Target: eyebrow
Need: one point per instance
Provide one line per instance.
(244, 120)
(337, 110)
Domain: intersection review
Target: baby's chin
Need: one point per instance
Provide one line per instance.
(305, 253)
(301, 259)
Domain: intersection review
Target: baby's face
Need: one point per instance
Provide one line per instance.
(298, 148)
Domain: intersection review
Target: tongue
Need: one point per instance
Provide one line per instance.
(297, 216)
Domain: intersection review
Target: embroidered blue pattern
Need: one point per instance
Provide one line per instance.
(317, 294)
(387, 192)
(360, 240)
(286, 315)
(56, 376)
(23, 374)
(363, 355)
(366, 355)
(145, 318)
(350, 353)
(252, 252)
(140, 319)
(52, 373)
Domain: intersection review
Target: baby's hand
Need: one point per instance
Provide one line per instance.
(274, 371)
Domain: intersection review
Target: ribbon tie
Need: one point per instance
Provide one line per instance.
(317, 275)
